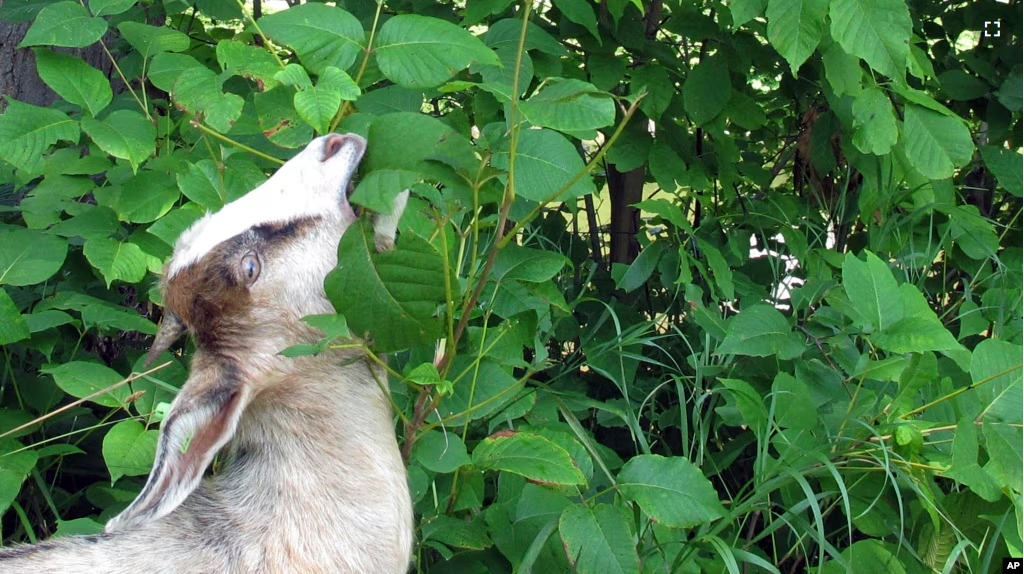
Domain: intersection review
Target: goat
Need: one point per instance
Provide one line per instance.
(313, 481)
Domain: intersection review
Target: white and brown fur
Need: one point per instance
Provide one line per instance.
(313, 481)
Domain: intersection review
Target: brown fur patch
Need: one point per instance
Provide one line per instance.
(210, 296)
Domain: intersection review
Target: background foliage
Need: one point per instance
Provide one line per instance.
(719, 287)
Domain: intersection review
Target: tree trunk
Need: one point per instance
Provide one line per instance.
(625, 190)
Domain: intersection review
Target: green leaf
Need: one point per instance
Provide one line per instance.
(672, 491)
(598, 540)
(872, 291)
(545, 162)
(915, 334)
(1006, 457)
(321, 35)
(795, 27)
(1005, 164)
(529, 455)
(66, 24)
(406, 285)
(338, 80)
(166, 67)
(761, 331)
(403, 140)
(525, 264)
(74, 80)
(26, 131)
(483, 388)
(874, 122)
(81, 379)
(569, 105)
(247, 61)
(145, 197)
(456, 532)
(151, 40)
(124, 134)
(378, 189)
(441, 452)
(842, 70)
(317, 106)
(964, 467)
(116, 260)
(129, 449)
(110, 7)
(936, 144)
(421, 52)
(745, 406)
(866, 556)
(582, 13)
(959, 85)
(202, 183)
(996, 369)
(28, 256)
(719, 267)
(198, 91)
(707, 90)
(16, 462)
(12, 325)
(744, 11)
(793, 405)
(878, 31)
(637, 273)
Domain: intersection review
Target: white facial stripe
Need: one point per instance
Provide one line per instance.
(302, 187)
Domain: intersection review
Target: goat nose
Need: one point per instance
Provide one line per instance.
(334, 143)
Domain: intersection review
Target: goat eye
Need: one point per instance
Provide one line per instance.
(250, 267)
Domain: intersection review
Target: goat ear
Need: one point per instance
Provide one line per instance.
(202, 419)
(385, 225)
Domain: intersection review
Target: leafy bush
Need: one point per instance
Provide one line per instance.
(811, 359)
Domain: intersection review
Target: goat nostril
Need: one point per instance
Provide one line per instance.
(335, 142)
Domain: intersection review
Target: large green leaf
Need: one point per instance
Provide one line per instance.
(874, 122)
(794, 28)
(198, 91)
(81, 379)
(74, 80)
(166, 67)
(545, 162)
(707, 90)
(12, 324)
(582, 13)
(441, 451)
(525, 264)
(317, 105)
(124, 134)
(569, 105)
(481, 388)
(878, 31)
(26, 131)
(405, 285)
(1006, 165)
(964, 467)
(671, 490)
(872, 291)
(321, 35)
(866, 556)
(66, 24)
(535, 457)
(150, 40)
(996, 369)
(28, 256)
(936, 144)
(761, 331)
(421, 52)
(378, 189)
(143, 198)
(116, 260)
(129, 449)
(598, 540)
(16, 462)
(110, 7)
(247, 61)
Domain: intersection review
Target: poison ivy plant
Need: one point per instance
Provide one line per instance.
(806, 357)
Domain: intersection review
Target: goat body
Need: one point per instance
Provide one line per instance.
(313, 480)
